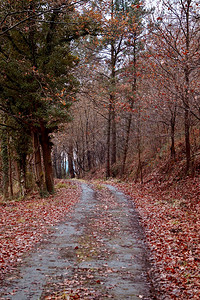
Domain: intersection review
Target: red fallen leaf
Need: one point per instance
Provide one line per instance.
(170, 269)
(75, 296)
(76, 248)
(98, 281)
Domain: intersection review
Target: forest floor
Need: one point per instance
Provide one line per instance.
(169, 215)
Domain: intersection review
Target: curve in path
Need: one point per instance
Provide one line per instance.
(97, 253)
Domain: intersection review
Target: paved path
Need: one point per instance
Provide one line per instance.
(97, 253)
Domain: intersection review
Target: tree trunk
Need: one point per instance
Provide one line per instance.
(172, 123)
(139, 141)
(83, 156)
(140, 172)
(59, 165)
(88, 152)
(172, 148)
(55, 162)
(46, 151)
(112, 98)
(89, 160)
(108, 143)
(5, 164)
(39, 174)
(10, 171)
(187, 120)
(64, 165)
(187, 88)
(131, 102)
(113, 132)
(187, 139)
(22, 179)
(70, 161)
(126, 144)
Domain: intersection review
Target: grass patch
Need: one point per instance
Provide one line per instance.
(61, 185)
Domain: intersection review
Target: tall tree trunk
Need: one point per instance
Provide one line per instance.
(128, 128)
(108, 143)
(139, 142)
(70, 161)
(88, 152)
(113, 133)
(172, 128)
(140, 172)
(46, 151)
(83, 161)
(10, 171)
(172, 148)
(59, 165)
(131, 102)
(187, 88)
(64, 165)
(55, 154)
(39, 174)
(187, 139)
(5, 164)
(89, 160)
(112, 97)
(22, 178)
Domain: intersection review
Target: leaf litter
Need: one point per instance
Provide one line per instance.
(25, 223)
(170, 215)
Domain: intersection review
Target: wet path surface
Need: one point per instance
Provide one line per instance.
(97, 253)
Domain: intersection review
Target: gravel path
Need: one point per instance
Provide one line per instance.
(97, 253)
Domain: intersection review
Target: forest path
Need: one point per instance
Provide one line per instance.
(97, 253)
